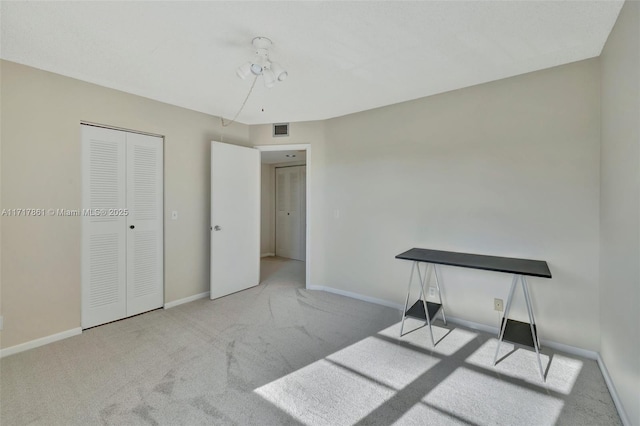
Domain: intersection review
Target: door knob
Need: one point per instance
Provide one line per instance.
(217, 228)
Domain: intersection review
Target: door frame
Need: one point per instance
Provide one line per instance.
(307, 236)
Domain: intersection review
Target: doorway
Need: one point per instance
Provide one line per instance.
(284, 206)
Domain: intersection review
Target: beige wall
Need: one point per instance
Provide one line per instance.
(41, 114)
(507, 168)
(620, 208)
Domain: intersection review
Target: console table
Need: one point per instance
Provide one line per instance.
(513, 331)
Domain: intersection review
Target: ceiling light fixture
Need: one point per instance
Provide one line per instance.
(261, 64)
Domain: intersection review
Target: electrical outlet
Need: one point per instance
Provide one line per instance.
(432, 292)
(498, 305)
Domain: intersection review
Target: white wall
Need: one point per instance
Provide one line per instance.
(41, 114)
(507, 168)
(620, 208)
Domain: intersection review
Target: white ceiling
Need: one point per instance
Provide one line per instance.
(342, 57)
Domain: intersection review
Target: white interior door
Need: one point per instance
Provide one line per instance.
(103, 252)
(144, 225)
(235, 218)
(291, 212)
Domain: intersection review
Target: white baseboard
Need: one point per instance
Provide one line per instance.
(473, 325)
(267, 254)
(358, 296)
(612, 390)
(39, 342)
(573, 350)
(186, 300)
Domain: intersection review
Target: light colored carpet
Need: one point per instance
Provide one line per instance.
(279, 354)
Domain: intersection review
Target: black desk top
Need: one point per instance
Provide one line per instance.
(535, 268)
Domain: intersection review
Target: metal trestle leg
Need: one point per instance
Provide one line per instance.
(532, 323)
(423, 279)
(423, 296)
(406, 302)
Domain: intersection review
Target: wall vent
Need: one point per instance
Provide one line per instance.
(281, 129)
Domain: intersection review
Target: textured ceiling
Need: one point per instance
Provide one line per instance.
(342, 57)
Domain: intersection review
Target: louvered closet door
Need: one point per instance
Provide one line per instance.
(103, 270)
(144, 223)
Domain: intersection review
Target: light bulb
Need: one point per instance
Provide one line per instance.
(269, 78)
(244, 70)
(256, 69)
(280, 73)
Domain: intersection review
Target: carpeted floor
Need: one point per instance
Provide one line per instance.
(279, 354)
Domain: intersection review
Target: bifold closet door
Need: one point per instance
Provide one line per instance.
(122, 224)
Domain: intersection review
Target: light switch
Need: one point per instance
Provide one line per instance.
(174, 215)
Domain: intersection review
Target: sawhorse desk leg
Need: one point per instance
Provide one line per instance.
(423, 309)
(516, 327)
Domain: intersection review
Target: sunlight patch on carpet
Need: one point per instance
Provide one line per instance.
(325, 393)
(347, 385)
(384, 362)
(522, 364)
(470, 395)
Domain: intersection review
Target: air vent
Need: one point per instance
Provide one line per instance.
(281, 129)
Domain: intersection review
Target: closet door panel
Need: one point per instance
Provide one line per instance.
(103, 245)
(144, 223)
(295, 213)
(303, 214)
(283, 243)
